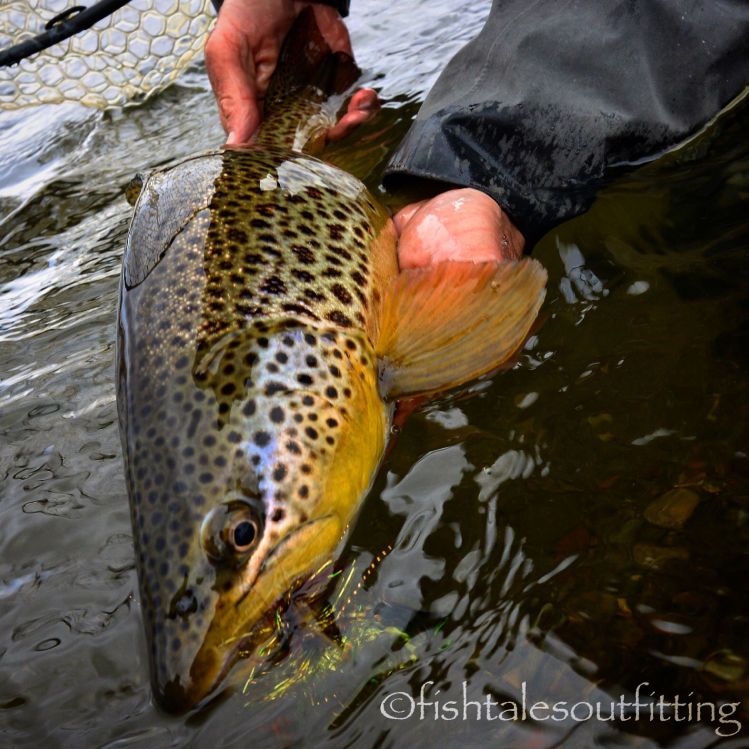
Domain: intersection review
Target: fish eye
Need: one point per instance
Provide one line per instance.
(231, 531)
(244, 534)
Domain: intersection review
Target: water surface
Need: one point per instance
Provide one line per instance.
(570, 528)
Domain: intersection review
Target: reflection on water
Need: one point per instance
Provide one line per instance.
(567, 530)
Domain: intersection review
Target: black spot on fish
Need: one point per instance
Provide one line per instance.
(279, 472)
(314, 295)
(303, 254)
(299, 309)
(302, 275)
(276, 414)
(274, 387)
(273, 285)
(236, 235)
(261, 439)
(338, 317)
(341, 293)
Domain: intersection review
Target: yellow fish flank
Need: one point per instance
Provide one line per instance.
(264, 332)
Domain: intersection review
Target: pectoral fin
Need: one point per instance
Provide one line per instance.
(442, 326)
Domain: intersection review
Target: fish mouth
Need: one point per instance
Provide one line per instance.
(236, 629)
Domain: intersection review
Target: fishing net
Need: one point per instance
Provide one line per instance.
(137, 50)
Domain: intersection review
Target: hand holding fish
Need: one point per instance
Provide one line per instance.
(242, 52)
(241, 55)
(459, 225)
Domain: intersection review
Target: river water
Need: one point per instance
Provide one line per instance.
(568, 531)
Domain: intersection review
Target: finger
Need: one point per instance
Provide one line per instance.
(231, 71)
(331, 26)
(405, 214)
(363, 106)
(458, 225)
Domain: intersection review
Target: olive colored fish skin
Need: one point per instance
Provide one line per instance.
(262, 320)
(247, 391)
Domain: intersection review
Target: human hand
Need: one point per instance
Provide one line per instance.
(462, 225)
(242, 52)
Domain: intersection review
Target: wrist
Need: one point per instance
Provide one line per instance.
(342, 6)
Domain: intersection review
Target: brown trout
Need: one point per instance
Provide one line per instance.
(265, 332)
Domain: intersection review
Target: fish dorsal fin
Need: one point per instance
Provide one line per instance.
(306, 59)
(307, 73)
(442, 326)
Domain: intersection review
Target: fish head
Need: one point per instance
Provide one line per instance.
(246, 491)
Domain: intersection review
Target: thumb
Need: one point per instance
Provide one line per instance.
(231, 71)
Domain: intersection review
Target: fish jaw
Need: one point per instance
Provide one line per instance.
(186, 682)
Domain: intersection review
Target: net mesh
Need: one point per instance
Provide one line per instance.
(138, 50)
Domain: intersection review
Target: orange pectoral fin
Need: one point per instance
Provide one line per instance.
(442, 326)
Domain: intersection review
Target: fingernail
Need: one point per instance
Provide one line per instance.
(232, 139)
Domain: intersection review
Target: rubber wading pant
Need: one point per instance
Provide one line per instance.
(554, 98)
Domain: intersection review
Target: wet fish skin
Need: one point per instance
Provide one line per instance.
(264, 332)
(247, 378)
